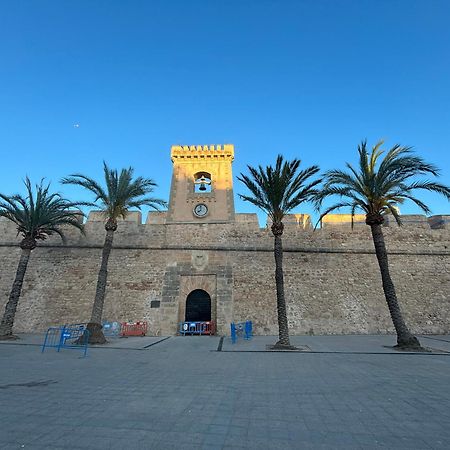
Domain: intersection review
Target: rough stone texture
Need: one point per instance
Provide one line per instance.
(332, 279)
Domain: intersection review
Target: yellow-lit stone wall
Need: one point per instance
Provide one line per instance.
(332, 278)
(187, 161)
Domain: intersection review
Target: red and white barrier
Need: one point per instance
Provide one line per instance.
(133, 328)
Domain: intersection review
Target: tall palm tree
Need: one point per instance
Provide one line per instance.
(37, 215)
(376, 188)
(277, 191)
(122, 193)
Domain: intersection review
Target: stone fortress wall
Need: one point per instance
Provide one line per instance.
(332, 280)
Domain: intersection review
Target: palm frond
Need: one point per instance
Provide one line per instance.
(394, 212)
(41, 213)
(88, 184)
(430, 186)
(380, 183)
(418, 202)
(278, 189)
(121, 191)
(152, 202)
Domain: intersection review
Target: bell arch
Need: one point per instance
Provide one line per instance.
(202, 182)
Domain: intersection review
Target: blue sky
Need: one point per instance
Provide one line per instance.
(308, 79)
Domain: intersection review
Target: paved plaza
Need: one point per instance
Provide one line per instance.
(344, 392)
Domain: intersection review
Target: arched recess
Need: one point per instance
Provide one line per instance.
(202, 182)
(189, 283)
(198, 306)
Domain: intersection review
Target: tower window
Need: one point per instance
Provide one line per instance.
(202, 183)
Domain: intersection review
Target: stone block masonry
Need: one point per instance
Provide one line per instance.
(332, 280)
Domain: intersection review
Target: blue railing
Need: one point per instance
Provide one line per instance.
(241, 329)
(74, 336)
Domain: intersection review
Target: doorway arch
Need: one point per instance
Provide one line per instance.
(198, 306)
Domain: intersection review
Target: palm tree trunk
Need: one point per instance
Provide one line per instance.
(7, 323)
(283, 330)
(405, 339)
(94, 326)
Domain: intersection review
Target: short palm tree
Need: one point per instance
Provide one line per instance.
(377, 188)
(277, 191)
(37, 216)
(122, 193)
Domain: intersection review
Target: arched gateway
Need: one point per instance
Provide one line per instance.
(198, 306)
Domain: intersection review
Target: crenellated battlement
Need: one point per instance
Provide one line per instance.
(298, 221)
(202, 151)
(418, 233)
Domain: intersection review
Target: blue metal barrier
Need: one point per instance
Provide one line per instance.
(197, 328)
(66, 336)
(241, 329)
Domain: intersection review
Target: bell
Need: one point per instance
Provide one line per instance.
(203, 182)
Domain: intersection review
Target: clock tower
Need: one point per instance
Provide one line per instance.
(202, 184)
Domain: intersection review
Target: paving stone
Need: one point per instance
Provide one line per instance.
(181, 393)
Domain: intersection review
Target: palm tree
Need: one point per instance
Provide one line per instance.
(277, 191)
(37, 216)
(121, 194)
(377, 189)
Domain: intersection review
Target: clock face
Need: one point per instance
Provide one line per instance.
(200, 210)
